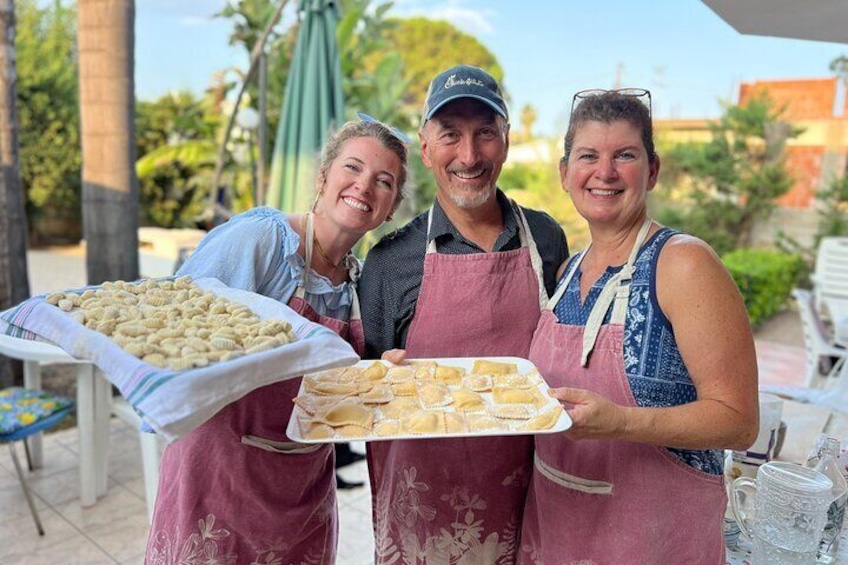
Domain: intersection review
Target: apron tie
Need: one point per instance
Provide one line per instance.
(616, 289)
(526, 239)
(353, 271)
(349, 261)
(613, 290)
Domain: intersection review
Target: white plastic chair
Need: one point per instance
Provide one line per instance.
(818, 343)
(830, 278)
(837, 398)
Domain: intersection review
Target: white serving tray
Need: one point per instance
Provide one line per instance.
(524, 366)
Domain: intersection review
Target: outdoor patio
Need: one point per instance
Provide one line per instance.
(115, 529)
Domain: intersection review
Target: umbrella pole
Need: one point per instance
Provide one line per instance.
(262, 133)
(258, 49)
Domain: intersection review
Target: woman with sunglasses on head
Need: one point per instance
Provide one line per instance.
(647, 344)
(237, 489)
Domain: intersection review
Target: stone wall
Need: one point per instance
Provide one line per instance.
(800, 225)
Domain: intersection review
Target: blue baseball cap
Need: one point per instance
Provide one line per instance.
(463, 81)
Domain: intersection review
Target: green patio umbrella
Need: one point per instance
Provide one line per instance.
(313, 105)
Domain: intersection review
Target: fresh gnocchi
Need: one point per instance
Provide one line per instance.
(173, 324)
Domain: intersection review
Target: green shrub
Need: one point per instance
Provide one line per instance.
(765, 278)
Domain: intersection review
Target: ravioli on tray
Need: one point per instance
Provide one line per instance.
(426, 398)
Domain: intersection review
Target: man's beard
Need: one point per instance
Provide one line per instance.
(470, 199)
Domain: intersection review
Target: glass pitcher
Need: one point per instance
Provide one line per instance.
(790, 511)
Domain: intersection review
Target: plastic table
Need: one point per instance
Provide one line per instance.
(94, 407)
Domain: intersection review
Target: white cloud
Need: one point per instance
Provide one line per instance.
(477, 22)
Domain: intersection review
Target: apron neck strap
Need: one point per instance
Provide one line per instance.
(308, 245)
(616, 290)
(431, 245)
(525, 236)
(355, 314)
(527, 239)
(566, 281)
(641, 237)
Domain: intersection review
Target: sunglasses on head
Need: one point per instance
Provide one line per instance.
(402, 137)
(640, 94)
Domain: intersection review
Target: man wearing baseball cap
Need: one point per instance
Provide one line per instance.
(467, 278)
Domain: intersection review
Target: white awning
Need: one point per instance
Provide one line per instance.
(817, 20)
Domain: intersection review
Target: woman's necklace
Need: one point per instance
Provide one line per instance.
(324, 253)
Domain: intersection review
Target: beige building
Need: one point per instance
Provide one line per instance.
(814, 159)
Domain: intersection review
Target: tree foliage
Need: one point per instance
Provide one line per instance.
(249, 18)
(839, 67)
(51, 158)
(176, 140)
(177, 146)
(733, 180)
(374, 82)
(526, 120)
(832, 207)
(376, 61)
(537, 185)
(172, 118)
(360, 35)
(427, 47)
(832, 212)
(177, 133)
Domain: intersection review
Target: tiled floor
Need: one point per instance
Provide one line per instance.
(112, 531)
(780, 365)
(115, 529)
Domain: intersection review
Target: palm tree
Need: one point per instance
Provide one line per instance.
(110, 187)
(14, 283)
(528, 120)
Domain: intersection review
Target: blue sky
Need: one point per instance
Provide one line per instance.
(679, 49)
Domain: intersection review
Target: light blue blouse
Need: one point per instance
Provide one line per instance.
(257, 251)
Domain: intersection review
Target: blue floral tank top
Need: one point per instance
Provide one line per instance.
(652, 362)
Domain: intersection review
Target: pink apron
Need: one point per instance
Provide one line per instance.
(605, 501)
(460, 500)
(238, 490)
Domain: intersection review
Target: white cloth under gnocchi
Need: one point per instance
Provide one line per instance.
(180, 350)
